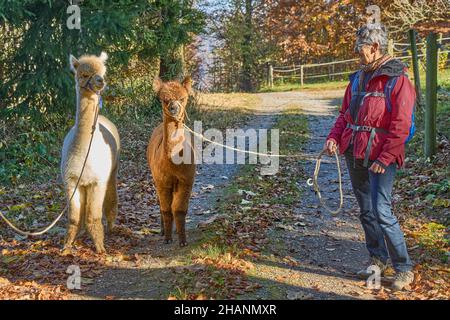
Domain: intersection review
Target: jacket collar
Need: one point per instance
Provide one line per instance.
(392, 68)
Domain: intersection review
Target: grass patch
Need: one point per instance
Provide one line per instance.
(222, 111)
(329, 85)
(432, 236)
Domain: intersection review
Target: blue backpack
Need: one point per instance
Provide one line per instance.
(389, 87)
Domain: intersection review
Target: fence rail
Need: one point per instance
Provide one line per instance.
(279, 69)
(298, 71)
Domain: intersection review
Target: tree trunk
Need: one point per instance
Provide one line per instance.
(431, 96)
(246, 84)
(415, 62)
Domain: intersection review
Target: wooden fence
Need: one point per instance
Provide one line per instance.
(335, 69)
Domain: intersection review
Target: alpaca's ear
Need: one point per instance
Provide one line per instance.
(157, 84)
(187, 84)
(74, 63)
(103, 56)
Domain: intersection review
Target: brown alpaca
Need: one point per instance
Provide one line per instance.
(173, 179)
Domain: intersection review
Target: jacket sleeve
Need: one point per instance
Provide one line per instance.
(403, 98)
(341, 124)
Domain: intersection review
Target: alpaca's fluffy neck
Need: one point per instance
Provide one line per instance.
(173, 136)
(87, 104)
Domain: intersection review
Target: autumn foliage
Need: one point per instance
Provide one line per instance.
(288, 32)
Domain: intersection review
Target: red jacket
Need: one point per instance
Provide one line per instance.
(389, 145)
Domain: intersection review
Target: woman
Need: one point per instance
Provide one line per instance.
(371, 130)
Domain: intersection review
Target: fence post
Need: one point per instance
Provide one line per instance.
(270, 76)
(391, 47)
(301, 75)
(415, 62)
(431, 96)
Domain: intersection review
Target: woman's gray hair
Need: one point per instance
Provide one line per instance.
(370, 34)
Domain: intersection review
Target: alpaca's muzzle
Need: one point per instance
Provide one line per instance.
(174, 108)
(99, 82)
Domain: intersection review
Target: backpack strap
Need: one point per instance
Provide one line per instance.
(373, 131)
(388, 88)
(354, 79)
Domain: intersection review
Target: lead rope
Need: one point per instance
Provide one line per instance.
(38, 233)
(315, 183)
(311, 182)
(302, 156)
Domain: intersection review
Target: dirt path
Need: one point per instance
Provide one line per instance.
(212, 178)
(333, 246)
(326, 248)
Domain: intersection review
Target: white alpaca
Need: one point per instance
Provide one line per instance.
(97, 190)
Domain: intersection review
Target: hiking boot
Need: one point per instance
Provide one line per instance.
(364, 273)
(402, 279)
